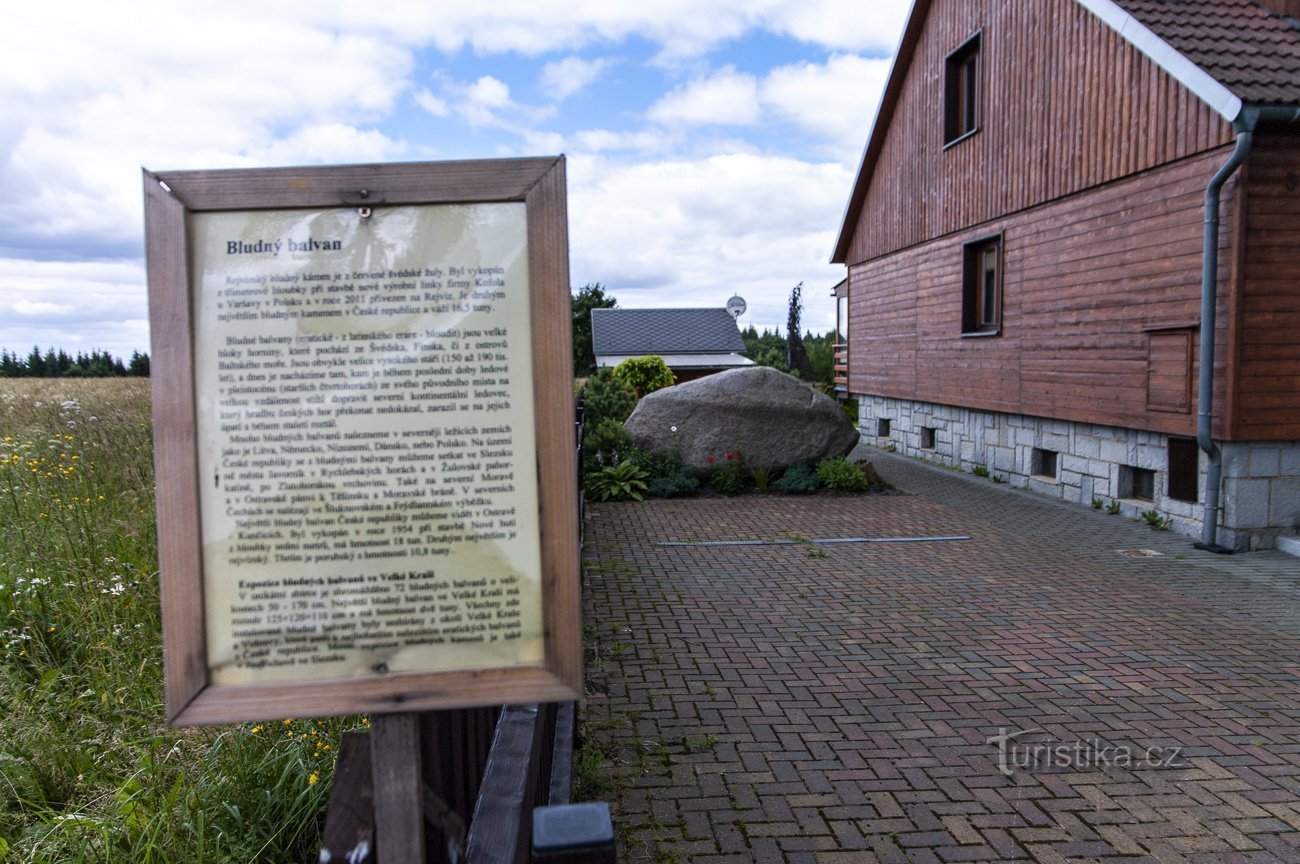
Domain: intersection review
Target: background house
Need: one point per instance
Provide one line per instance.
(1025, 241)
(693, 342)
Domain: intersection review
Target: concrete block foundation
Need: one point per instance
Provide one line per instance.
(1100, 466)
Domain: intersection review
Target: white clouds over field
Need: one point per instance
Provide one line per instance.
(711, 145)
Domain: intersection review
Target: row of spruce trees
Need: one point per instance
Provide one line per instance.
(60, 364)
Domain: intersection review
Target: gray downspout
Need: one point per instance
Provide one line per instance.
(1245, 125)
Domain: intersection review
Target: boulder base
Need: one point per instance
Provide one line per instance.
(774, 419)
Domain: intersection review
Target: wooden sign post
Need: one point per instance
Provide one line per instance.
(363, 438)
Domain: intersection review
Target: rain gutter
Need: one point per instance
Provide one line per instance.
(1245, 125)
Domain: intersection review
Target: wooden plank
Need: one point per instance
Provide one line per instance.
(349, 831)
(179, 543)
(548, 263)
(384, 184)
(398, 778)
(501, 828)
(561, 784)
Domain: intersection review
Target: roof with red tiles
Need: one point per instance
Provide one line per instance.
(1251, 50)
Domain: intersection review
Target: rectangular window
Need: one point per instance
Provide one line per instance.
(1137, 483)
(882, 427)
(981, 310)
(1044, 463)
(1184, 469)
(927, 437)
(961, 91)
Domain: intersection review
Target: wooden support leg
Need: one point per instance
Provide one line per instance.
(399, 790)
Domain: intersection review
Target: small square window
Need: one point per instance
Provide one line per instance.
(927, 437)
(961, 91)
(1137, 483)
(1043, 463)
(981, 308)
(1184, 468)
(882, 427)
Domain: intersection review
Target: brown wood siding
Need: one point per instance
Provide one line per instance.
(1268, 351)
(1066, 104)
(1087, 280)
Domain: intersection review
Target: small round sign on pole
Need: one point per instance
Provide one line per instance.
(736, 306)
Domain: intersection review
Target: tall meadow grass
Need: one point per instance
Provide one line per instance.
(89, 770)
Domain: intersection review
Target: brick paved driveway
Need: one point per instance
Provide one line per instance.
(817, 702)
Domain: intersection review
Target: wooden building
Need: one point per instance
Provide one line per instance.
(1027, 253)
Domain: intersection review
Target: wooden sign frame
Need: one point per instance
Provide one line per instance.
(170, 199)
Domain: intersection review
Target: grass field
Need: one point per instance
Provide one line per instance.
(89, 770)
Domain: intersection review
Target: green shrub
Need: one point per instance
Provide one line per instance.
(668, 477)
(608, 443)
(678, 485)
(645, 374)
(617, 482)
(798, 480)
(606, 396)
(762, 477)
(729, 474)
(841, 475)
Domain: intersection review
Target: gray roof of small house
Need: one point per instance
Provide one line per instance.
(664, 331)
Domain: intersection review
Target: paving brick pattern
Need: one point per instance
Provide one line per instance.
(834, 702)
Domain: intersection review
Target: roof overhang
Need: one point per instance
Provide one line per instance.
(683, 361)
(1160, 52)
(884, 112)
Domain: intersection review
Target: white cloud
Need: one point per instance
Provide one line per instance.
(563, 78)
(486, 102)
(73, 305)
(682, 28)
(845, 26)
(29, 309)
(433, 104)
(692, 233)
(726, 97)
(90, 95)
(329, 142)
(836, 100)
(602, 140)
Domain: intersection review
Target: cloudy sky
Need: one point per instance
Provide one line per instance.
(711, 144)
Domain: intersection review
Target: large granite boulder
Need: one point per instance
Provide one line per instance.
(774, 419)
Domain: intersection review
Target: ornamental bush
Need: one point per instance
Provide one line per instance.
(606, 396)
(841, 475)
(798, 480)
(668, 477)
(730, 477)
(608, 443)
(645, 374)
(620, 482)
